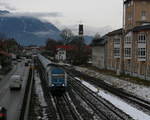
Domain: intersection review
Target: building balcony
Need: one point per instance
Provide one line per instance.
(127, 45)
(117, 57)
(117, 45)
(141, 58)
(127, 57)
(141, 45)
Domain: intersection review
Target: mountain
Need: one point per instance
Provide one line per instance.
(3, 12)
(27, 30)
(88, 39)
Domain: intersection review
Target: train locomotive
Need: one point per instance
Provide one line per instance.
(55, 77)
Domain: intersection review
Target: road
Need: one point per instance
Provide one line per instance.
(12, 100)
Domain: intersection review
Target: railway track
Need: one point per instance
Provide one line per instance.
(53, 114)
(60, 107)
(65, 109)
(103, 109)
(140, 103)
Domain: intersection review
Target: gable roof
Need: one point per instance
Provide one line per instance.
(139, 28)
(100, 42)
(127, 1)
(116, 32)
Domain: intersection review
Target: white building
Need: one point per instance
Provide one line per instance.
(61, 54)
(99, 53)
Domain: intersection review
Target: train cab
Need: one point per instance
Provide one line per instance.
(58, 79)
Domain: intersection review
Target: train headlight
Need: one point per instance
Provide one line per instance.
(63, 84)
(52, 85)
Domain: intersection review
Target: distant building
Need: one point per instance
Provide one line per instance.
(61, 54)
(62, 50)
(99, 52)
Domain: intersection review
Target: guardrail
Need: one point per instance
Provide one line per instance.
(27, 96)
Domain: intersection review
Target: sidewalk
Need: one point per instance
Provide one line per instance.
(140, 89)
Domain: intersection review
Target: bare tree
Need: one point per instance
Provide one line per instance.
(51, 46)
(80, 53)
(67, 35)
(97, 36)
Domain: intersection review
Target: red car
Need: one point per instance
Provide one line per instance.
(3, 113)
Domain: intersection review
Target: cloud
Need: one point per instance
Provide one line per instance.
(34, 14)
(6, 6)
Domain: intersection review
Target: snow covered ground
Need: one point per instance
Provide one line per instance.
(139, 90)
(40, 95)
(125, 107)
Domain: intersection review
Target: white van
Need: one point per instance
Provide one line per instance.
(15, 83)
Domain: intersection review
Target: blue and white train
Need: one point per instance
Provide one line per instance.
(55, 76)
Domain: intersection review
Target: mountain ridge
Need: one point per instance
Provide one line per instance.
(28, 30)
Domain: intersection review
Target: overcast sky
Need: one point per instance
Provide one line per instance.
(96, 15)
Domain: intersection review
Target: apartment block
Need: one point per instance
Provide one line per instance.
(137, 12)
(128, 48)
(136, 38)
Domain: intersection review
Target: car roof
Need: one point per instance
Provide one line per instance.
(17, 75)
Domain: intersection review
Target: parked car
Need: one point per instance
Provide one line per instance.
(19, 60)
(3, 113)
(15, 62)
(16, 82)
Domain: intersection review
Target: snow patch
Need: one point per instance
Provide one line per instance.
(139, 90)
(130, 110)
(39, 92)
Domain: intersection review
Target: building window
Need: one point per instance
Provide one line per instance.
(116, 41)
(141, 38)
(116, 52)
(127, 52)
(128, 4)
(142, 53)
(143, 15)
(129, 16)
(127, 40)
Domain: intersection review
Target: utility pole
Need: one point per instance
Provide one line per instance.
(122, 42)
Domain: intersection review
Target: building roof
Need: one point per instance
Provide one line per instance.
(139, 28)
(100, 42)
(127, 1)
(65, 47)
(115, 32)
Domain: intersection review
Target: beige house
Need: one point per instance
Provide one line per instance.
(114, 50)
(137, 38)
(128, 49)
